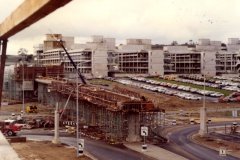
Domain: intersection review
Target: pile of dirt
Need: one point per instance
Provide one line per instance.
(45, 150)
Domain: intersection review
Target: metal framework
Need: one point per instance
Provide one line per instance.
(107, 113)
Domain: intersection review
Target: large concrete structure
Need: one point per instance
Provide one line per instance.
(181, 60)
(136, 58)
(115, 115)
(238, 64)
(91, 57)
(226, 62)
(100, 57)
(218, 59)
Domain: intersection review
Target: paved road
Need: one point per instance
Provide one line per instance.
(100, 150)
(182, 145)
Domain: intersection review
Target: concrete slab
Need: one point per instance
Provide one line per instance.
(155, 152)
(6, 151)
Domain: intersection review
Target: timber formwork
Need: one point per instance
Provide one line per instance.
(116, 114)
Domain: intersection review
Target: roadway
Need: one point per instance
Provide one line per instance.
(98, 149)
(180, 143)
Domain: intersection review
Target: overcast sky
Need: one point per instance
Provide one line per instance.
(160, 20)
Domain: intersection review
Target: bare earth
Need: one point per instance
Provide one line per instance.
(169, 103)
(44, 150)
(231, 147)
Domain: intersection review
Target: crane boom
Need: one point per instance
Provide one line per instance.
(72, 62)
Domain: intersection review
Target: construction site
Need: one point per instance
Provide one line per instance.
(112, 114)
(87, 96)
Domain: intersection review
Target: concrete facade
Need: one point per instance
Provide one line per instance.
(100, 57)
(91, 57)
(226, 62)
(181, 60)
(156, 62)
(208, 63)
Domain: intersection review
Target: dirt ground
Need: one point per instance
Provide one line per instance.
(42, 109)
(45, 150)
(231, 147)
(169, 103)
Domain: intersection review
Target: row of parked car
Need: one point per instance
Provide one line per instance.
(225, 84)
(159, 89)
(179, 87)
(233, 97)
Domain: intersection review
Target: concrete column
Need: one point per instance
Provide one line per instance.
(3, 46)
(56, 139)
(133, 128)
(203, 120)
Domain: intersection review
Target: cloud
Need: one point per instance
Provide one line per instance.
(160, 20)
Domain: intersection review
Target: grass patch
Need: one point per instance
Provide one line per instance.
(225, 92)
(100, 82)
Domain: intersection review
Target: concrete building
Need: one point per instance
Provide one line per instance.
(156, 62)
(208, 45)
(233, 44)
(91, 57)
(226, 62)
(181, 60)
(219, 59)
(238, 64)
(132, 62)
(51, 41)
(136, 57)
(136, 44)
(100, 57)
(38, 50)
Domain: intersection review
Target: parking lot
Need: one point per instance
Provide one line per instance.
(184, 92)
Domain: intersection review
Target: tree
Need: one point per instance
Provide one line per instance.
(23, 53)
(174, 43)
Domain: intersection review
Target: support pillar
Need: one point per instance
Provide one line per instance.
(3, 46)
(133, 128)
(56, 139)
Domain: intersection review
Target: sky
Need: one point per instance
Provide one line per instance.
(163, 21)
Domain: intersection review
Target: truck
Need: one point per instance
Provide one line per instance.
(9, 128)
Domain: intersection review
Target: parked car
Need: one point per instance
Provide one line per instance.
(9, 128)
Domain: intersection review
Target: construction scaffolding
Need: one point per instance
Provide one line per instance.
(114, 115)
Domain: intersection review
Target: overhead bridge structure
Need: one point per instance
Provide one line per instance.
(114, 115)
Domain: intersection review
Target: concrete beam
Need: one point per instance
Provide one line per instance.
(29, 12)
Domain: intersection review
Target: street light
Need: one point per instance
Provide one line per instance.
(77, 114)
(202, 130)
(203, 112)
(23, 103)
(22, 52)
(77, 109)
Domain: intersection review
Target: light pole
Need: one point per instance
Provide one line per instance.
(203, 112)
(23, 52)
(23, 103)
(77, 114)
